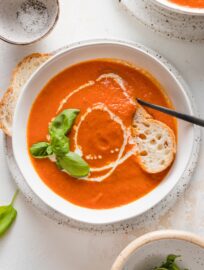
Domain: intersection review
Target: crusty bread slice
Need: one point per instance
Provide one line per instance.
(155, 140)
(21, 74)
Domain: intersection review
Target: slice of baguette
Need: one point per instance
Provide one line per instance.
(155, 140)
(21, 74)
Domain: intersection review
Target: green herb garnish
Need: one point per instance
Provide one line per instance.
(59, 145)
(7, 215)
(63, 122)
(169, 264)
(74, 165)
(41, 150)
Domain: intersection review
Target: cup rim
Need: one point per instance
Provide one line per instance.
(147, 238)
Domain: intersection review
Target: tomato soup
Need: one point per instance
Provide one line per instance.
(190, 3)
(104, 91)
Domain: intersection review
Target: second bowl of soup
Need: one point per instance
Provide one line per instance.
(188, 7)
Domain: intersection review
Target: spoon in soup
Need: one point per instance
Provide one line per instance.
(185, 117)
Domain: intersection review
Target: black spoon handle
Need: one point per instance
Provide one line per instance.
(185, 117)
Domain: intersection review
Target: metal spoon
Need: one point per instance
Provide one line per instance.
(185, 117)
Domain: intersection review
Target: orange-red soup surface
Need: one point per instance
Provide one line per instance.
(190, 3)
(99, 136)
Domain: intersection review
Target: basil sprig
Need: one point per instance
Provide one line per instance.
(169, 264)
(7, 216)
(59, 145)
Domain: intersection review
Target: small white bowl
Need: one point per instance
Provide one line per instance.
(151, 250)
(26, 21)
(179, 8)
(87, 51)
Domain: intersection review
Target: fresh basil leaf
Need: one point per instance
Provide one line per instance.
(7, 216)
(169, 264)
(159, 268)
(175, 267)
(59, 144)
(171, 258)
(40, 150)
(63, 122)
(58, 165)
(74, 165)
(49, 150)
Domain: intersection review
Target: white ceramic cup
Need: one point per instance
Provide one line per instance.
(24, 22)
(150, 250)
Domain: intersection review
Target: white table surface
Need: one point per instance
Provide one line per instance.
(36, 242)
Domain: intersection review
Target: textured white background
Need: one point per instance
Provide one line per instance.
(36, 242)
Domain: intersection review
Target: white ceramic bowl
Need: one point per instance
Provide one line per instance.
(24, 21)
(179, 8)
(151, 249)
(87, 51)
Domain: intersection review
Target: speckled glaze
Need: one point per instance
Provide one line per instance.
(166, 22)
(143, 221)
(151, 249)
(18, 29)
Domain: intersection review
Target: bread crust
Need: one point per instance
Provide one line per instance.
(9, 99)
(3, 103)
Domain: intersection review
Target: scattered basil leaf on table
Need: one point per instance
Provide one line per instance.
(7, 215)
(64, 121)
(41, 150)
(74, 165)
(59, 146)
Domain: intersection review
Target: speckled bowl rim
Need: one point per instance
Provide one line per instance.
(165, 22)
(163, 206)
(152, 237)
(85, 214)
(179, 8)
(49, 30)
